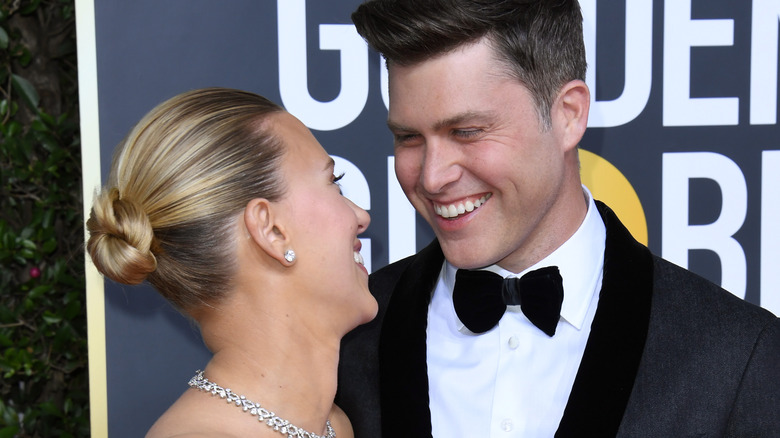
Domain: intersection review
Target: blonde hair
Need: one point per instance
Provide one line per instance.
(178, 180)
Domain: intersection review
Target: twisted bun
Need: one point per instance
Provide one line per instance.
(177, 183)
(121, 238)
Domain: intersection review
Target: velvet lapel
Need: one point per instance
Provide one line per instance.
(402, 349)
(609, 365)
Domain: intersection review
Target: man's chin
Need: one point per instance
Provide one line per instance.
(461, 258)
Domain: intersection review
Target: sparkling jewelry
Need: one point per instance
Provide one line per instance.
(289, 255)
(264, 415)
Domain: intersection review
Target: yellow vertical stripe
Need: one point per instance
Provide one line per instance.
(90, 164)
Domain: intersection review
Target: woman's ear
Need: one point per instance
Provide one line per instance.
(264, 229)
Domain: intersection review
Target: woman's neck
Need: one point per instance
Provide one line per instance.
(277, 363)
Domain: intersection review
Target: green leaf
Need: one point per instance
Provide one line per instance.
(39, 291)
(8, 414)
(39, 125)
(26, 90)
(25, 234)
(13, 129)
(49, 245)
(48, 218)
(30, 7)
(47, 118)
(3, 38)
(50, 409)
(9, 432)
(23, 56)
(72, 310)
(51, 318)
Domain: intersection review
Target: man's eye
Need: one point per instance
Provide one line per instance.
(466, 133)
(405, 138)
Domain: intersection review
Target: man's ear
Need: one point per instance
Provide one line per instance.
(264, 229)
(571, 108)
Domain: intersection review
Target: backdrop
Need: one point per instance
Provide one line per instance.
(683, 143)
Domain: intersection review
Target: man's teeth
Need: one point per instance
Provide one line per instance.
(453, 210)
(358, 257)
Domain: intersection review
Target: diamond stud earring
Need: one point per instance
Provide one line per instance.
(289, 255)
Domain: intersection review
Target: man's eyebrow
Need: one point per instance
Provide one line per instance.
(468, 116)
(478, 117)
(394, 127)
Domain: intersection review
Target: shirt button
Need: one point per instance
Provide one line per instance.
(513, 342)
(506, 425)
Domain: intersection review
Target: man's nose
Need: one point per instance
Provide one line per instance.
(440, 167)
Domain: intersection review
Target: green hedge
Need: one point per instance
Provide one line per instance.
(43, 341)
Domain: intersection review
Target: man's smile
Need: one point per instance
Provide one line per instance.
(467, 205)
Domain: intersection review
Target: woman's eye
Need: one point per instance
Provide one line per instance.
(336, 179)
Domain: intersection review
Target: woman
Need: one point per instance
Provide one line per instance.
(229, 207)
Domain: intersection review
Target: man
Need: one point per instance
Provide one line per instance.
(487, 106)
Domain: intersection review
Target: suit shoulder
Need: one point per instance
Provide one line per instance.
(677, 289)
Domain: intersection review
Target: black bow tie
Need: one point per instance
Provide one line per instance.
(481, 297)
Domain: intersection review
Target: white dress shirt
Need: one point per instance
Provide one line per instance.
(514, 380)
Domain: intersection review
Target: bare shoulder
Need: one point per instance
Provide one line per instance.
(340, 423)
(198, 415)
(199, 434)
(174, 422)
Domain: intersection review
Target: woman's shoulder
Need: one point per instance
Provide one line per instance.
(198, 415)
(340, 423)
(194, 435)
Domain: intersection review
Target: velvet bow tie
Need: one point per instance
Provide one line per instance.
(481, 297)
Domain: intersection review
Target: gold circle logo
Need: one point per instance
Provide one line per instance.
(609, 185)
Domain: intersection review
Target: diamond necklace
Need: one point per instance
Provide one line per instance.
(262, 414)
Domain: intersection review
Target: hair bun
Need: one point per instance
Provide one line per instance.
(120, 239)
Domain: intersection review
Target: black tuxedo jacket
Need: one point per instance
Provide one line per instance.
(669, 354)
